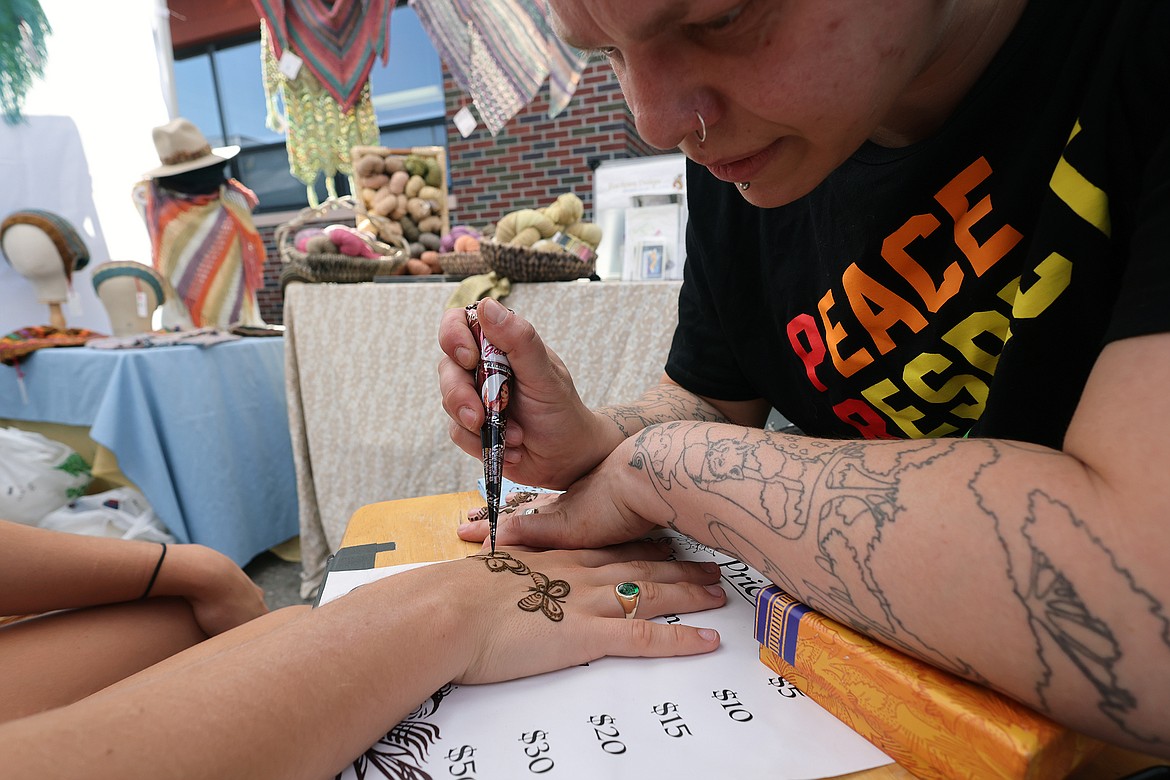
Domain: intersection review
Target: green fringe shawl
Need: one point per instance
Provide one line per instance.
(23, 30)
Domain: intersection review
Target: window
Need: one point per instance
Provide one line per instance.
(221, 90)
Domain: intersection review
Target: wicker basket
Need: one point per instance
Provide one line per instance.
(462, 263)
(521, 264)
(324, 267)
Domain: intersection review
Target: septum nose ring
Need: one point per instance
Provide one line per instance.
(701, 133)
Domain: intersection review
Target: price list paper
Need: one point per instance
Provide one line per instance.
(723, 714)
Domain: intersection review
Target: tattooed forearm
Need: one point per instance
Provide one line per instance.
(546, 595)
(1075, 625)
(781, 485)
(661, 403)
(930, 546)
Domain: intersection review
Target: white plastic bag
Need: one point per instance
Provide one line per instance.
(37, 475)
(121, 513)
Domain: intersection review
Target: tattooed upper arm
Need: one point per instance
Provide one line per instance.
(669, 402)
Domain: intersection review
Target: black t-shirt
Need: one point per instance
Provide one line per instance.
(964, 284)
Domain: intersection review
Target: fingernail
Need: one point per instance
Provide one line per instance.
(714, 590)
(710, 567)
(465, 357)
(495, 311)
(464, 526)
(709, 634)
(467, 417)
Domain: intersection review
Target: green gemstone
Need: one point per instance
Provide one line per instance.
(627, 589)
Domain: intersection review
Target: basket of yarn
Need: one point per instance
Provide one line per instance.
(523, 264)
(462, 263)
(335, 252)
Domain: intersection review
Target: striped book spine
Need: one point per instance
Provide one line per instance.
(931, 722)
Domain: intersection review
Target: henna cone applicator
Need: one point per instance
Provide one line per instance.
(493, 377)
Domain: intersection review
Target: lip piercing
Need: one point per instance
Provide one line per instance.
(743, 185)
(701, 133)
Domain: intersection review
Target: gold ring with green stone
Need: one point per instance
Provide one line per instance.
(627, 595)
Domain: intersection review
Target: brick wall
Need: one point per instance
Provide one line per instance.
(270, 297)
(531, 161)
(534, 158)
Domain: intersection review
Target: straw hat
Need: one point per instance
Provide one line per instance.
(181, 148)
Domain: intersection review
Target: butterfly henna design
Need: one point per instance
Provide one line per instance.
(547, 594)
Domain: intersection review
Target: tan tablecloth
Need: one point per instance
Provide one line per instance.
(365, 413)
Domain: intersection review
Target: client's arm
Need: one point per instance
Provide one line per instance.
(43, 570)
(307, 696)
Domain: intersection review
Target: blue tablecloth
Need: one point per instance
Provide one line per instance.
(201, 431)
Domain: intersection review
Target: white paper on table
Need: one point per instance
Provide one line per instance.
(618, 717)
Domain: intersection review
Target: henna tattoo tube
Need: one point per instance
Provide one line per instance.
(493, 377)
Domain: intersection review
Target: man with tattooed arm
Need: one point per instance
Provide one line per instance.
(933, 235)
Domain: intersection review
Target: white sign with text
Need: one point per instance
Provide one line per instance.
(724, 714)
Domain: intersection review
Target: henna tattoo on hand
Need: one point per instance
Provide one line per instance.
(520, 497)
(512, 503)
(501, 561)
(547, 595)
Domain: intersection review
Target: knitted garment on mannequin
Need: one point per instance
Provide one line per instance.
(70, 246)
(208, 247)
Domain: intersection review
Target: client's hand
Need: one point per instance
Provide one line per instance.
(520, 613)
(220, 594)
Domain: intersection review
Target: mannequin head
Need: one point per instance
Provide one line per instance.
(130, 293)
(45, 249)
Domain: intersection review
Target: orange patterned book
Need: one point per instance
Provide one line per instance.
(931, 722)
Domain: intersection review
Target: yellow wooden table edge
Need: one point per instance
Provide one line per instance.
(422, 529)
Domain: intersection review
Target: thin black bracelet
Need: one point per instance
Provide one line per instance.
(157, 569)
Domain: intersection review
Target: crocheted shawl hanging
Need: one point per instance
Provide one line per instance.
(338, 40)
(318, 132)
(499, 52)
